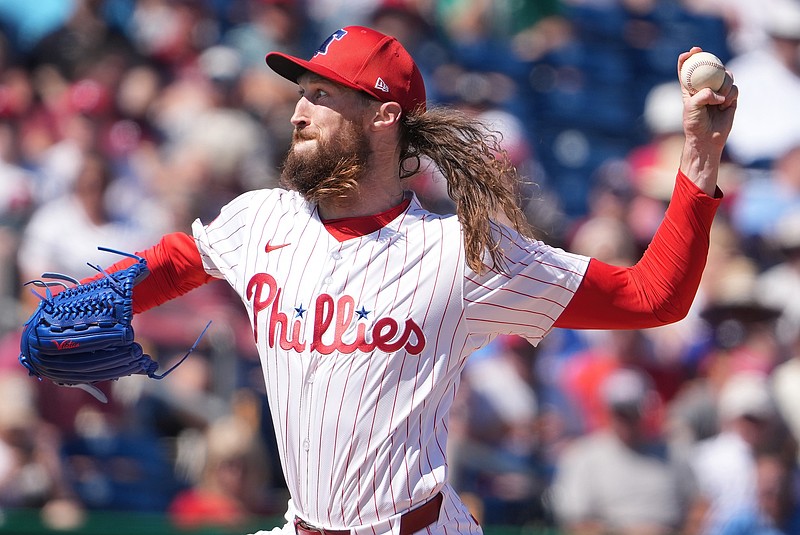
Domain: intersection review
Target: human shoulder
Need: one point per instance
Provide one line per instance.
(589, 447)
(758, 58)
(276, 194)
(268, 197)
(718, 449)
(420, 222)
(66, 210)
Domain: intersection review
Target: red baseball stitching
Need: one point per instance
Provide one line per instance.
(692, 69)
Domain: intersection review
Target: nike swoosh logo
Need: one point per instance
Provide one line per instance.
(269, 247)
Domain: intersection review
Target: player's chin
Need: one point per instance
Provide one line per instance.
(305, 146)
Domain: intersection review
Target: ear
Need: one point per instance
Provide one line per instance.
(386, 116)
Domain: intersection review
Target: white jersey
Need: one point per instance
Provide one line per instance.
(362, 343)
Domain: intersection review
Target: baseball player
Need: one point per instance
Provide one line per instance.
(365, 306)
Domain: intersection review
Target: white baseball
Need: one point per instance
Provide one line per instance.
(702, 70)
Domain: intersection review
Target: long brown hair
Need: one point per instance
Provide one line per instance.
(481, 179)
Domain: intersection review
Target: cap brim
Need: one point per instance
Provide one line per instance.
(292, 68)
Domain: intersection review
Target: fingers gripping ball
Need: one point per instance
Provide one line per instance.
(83, 334)
(702, 70)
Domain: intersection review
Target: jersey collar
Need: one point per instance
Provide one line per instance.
(354, 227)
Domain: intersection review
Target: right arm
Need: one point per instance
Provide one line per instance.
(661, 287)
(175, 269)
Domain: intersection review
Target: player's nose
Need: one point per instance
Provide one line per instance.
(300, 115)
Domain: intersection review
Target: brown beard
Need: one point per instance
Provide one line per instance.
(333, 170)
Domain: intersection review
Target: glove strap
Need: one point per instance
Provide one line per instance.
(194, 346)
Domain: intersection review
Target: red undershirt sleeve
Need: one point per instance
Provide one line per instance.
(175, 269)
(660, 288)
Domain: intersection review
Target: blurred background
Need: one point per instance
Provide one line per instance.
(121, 120)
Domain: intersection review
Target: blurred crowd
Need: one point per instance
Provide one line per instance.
(121, 120)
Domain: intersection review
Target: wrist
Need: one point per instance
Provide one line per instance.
(701, 166)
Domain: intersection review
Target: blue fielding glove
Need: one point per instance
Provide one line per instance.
(83, 334)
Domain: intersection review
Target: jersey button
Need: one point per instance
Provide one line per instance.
(311, 378)
(327, 280)
(336, 255)
(306, 445)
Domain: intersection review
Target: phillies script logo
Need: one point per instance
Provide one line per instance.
(66, 344)
(330, 317)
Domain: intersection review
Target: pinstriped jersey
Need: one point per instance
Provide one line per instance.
(362, 343)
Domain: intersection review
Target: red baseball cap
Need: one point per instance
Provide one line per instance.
(363, 59)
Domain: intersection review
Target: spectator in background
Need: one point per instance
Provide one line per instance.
(764, 199)
(113, 466)
(80, 43)
(16, 203)
(621, 478)
(725, 464)
(84, 223)
(56, 141)
(746, 21)
(777, 512)
(605, 231)
(172, 34)
(586, 372)
(741, 324)
(41, 103)
(326, 15)
(738, 336)
(779, 284)
(132, 144)
(769, 75)
(31, 470)
(189, 403)
(650, 161)
(494, 447)
(229, 487)
(735, 333)
(267, 25)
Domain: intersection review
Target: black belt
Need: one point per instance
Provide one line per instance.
(410, 522)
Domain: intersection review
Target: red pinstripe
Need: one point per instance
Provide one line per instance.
(411, 278)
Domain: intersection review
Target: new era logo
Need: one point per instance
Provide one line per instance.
(381, 85)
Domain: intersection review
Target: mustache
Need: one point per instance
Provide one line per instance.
(302, 135)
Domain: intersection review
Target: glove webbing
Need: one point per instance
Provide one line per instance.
(104, 302)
